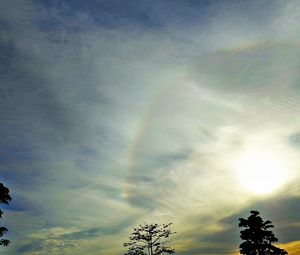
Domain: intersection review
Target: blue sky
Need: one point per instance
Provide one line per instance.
(115, 113)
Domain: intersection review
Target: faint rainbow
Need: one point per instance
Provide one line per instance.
(141, 130)
(145, 120)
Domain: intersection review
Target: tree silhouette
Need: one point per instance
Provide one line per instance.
(149, 239)
(4, 199)
(258, 238)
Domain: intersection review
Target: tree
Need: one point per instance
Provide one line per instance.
(4, 199)
(149, 239)
(258, 238)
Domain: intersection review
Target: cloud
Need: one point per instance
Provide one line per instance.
(114, 114)
(292, 247)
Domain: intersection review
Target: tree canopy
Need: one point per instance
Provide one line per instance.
(149, 239)
(257, 236)
(5, 198)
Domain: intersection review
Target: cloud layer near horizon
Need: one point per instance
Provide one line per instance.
(115, 113)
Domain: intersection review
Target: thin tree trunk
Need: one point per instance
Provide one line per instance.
(148, 247)
(151, 244)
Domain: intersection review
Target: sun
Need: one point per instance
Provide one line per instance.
(261, 171)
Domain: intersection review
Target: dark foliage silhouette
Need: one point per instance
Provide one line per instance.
(4, 199)
(149, 239)
(257, 236)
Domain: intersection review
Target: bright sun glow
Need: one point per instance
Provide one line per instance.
(261, 172)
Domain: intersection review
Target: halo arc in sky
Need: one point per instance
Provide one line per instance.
(163, 93)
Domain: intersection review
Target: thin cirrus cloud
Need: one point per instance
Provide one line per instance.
(115, 113)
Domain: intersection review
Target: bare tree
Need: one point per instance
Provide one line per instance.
(149, 239)
(4, 199)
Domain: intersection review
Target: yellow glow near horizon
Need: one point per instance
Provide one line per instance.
(260, 171)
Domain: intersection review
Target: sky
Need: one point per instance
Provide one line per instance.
(116, 113)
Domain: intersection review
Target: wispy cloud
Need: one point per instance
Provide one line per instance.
(115, 113)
